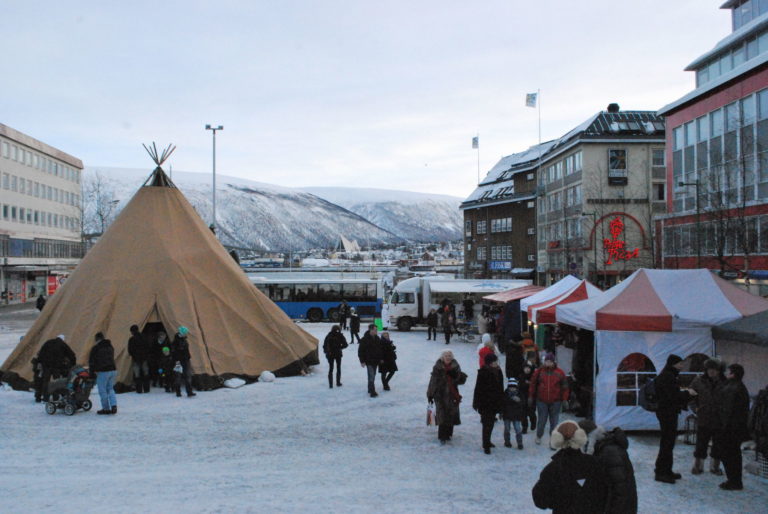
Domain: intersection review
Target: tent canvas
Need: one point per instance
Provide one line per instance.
(544, 312)
(558, 288)
(746, 341)
(513, 294)
(159, 261)
(653, 313)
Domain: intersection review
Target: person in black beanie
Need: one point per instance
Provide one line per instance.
(489, 397)
(671, 399)
(734, 412)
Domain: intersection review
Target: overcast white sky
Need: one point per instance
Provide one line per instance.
(337, 93)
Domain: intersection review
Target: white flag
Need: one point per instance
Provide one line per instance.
(530, 99)
(476, 142)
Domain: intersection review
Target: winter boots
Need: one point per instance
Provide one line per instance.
(698, 467)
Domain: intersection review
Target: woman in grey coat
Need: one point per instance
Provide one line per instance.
(443, 391)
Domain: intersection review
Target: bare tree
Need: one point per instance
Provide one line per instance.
(99, 203)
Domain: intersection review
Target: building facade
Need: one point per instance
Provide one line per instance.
(40, 215)
(582, 204)
(717, 156)
(601, 185)
(500, 219)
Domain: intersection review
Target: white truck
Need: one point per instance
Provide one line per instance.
(410, 300)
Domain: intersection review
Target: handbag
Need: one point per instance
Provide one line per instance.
(430, 414)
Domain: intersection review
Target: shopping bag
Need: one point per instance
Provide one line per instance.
(430, 414)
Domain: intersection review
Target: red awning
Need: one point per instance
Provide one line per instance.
(514, 294)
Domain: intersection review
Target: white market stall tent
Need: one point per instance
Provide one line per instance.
(641, 321)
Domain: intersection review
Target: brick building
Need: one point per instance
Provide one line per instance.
(717, 156)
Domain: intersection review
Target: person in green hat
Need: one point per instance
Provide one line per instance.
(181, 355)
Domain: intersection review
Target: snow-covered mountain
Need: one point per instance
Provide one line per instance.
(268, 217)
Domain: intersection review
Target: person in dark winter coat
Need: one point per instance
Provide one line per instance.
(671, 399)
(165, 364)
(388, 365)
(733, 400)
(447, 320)
(180, 354)
(524, 382)
(333, 345)
(513, 364)
(489, 397)
(610, 450)
(139, 348)
(432, 325)
(370, 354)
(707, 415)
(156, 357)
(53, 360)
(40, 303)
(354, 326)
(102, 362)
(558, 487)
(514, 412)
(443, 392)
(343, 314)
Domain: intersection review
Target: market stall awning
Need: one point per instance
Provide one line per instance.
(544, 312)
(652, 300)
(558, 288)
(514, 294)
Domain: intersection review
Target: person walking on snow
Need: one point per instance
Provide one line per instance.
(548, 390)
(180, 354)
(447, 322)
(343, 314)
(671, 399)
(139, 348)
(333, 345)
(524, 383)
(513, 413)
(707, 412)
(102, 362)
(443, 392)
(388, 365)
(489, 397)
(432, 325)
(354, 326)
(370, 354)
(733, 400)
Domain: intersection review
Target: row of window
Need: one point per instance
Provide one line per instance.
(38, 190)
(39, 162)
(728, 236)
(40, 248)
(747, 12)
(501, 225)
(568, 165)
(554, 231)
(725, 149)
(16, 214)
(732, 58)
(319, 292)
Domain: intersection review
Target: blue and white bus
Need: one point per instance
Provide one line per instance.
(318, 299)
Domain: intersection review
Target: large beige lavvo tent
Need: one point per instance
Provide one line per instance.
(160, 263)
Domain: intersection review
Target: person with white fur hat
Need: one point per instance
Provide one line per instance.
(572, 482)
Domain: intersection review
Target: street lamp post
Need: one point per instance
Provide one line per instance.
(594, 243)
(698, 220)
(214, 129)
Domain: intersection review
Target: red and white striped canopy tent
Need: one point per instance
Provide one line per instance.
(563, 285)
(513, 294)
(653, 300)
(544, 312)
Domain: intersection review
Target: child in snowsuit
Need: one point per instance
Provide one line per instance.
(514, 413)
(165, 370)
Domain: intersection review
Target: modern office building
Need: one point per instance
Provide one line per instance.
(717, 155)
(40, 216)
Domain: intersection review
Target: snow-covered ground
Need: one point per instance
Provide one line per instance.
(296, 446)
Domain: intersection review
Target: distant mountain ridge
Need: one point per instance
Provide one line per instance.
(275, 218)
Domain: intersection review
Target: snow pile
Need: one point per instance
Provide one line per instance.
(267, 376)
(234, 383)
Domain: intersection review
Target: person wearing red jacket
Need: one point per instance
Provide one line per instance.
(548, 390)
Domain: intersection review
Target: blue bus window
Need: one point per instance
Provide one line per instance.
(305, 292)
(329, 292)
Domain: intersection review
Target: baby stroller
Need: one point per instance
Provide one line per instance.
(71, 393)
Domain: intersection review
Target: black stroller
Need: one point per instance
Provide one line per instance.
(71, 393)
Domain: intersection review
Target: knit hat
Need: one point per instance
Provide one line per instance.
(486, 338)
(549, 357)
(712, 364)
(673, 359)
(166, 350)
(568, 435)
(491, 357)
(183, 331)
(512, 382)
(62, 337)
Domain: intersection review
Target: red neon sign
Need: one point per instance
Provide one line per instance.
(617, 248)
